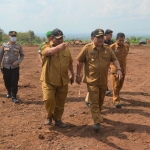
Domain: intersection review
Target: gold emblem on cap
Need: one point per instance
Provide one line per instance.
(13, 33)
(100, 32)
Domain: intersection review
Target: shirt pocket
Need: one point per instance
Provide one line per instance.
(118, 53)
(93, 57)
(6, 50)
(16, 51)
(65, 59)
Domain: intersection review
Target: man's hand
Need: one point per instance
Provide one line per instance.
(119, 74)
(62, 46)
(15, 64)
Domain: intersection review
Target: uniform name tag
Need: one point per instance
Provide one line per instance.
(16, 50)
(6, 49)
(92, 54)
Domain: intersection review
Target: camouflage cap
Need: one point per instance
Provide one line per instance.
(49, 33)
(98, 32)
(57, 33)
(12, 33)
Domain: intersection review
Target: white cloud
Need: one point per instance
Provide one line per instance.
(73, 15)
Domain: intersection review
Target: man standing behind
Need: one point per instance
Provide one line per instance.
(56, 60)
(108, 37)
(49, 38)
(108, 41)
(121, 51)
(96, 57)
(11, 53)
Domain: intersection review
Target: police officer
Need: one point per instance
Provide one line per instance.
(11, 55)
(121, 51)
(108, 41)
(96, 57)
(49, 38)
(56, 60)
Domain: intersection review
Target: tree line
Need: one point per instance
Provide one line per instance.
(29, 37)
(23, 38)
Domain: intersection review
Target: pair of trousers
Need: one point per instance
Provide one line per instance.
(96, 99)
(117, 85)
(11, 78)
(54, 99)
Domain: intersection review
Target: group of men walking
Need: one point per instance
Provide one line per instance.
(97, 58)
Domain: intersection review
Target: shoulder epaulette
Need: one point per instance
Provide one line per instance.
(89, 44)
(106, 45)
(4, 44)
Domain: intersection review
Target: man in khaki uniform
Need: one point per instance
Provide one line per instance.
(56, 60)
(121, 51)
(96, 57)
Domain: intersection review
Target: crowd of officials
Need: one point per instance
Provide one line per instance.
(98, 59)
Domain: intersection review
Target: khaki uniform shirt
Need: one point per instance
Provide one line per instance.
(121, 53)
(96, 63)
(55, 67)
(10, 53)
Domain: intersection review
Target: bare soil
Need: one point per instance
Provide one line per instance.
(22, 125)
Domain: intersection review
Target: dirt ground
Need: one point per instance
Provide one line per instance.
(22, 125)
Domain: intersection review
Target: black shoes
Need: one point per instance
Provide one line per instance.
(107, 92)
(88, 104)
(96, 127)
(15, 100)
(118, 106)
(60, 124)
(8, 95)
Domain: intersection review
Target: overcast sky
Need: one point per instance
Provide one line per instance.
(75, 16)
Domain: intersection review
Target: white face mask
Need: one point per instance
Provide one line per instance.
(13, 39)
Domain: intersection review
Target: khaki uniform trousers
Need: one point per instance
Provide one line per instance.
(117, 85)
(54, 99)
(96, 99)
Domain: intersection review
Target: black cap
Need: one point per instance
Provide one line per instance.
(12, 33)
(108, 31)
(57, 33)
(92, 34)
(98, 32)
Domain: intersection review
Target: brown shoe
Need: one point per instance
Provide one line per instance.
(60, 124)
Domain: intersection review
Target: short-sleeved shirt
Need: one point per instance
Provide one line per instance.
(121, 53)
(55, 67)
(109, 42)
(41, 45)
(96, 63)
